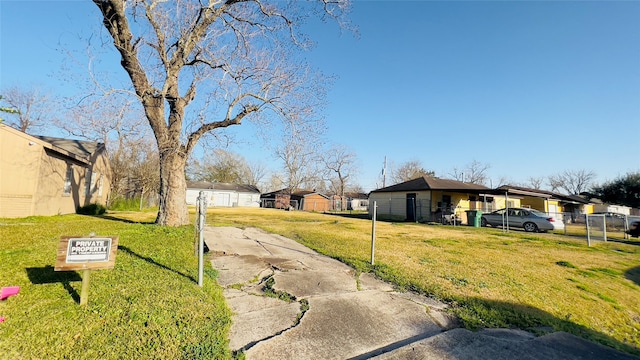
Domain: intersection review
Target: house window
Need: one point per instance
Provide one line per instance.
(66, 190)
(100, 184)
(87, 183)
(511, 204)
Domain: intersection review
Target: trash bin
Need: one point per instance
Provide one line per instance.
(478, 219)
(471, 217)
(474, 218)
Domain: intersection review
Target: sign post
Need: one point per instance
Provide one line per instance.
(86, 253)
(373, 231)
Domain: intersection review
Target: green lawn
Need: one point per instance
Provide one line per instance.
(492, 279)
(148, 307)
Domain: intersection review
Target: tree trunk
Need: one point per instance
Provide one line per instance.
(173, 190)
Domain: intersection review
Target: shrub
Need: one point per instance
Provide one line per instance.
(91, 209)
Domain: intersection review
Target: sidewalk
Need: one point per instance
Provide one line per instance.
(337, 315)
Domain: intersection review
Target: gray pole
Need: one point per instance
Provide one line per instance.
(506, 212)
(586, 221)
(373, 230)
(201, 207)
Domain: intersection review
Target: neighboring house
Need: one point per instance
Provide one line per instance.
(552, 203)
(42, 175)
(430, 199)
(357, 201)
(223, 194)
(600, 207)
(311, 201)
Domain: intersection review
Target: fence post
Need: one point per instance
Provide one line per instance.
(373, 231)
(586, 221)
(626, 227)
(202, 206)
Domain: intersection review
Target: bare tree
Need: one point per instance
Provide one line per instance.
(227, 167)
(410, 170)
(535, 182)
(340, 165)
(114, 121)
(144, 175)
(572, 181)
(224, 61)
(31, 109)
(300, 163)
(474, 172)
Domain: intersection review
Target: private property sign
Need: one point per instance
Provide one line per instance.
(86, 253)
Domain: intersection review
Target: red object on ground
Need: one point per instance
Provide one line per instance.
(9, 291)
(1, 319)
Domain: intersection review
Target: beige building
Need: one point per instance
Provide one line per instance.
(49, 176)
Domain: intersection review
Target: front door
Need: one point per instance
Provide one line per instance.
(411, 207)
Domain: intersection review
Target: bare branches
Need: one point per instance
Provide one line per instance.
(198, 66)
(572, 181)
(410, 170)
(474, 172)
(30, 108)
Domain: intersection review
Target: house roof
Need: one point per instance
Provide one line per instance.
(305, 193)
(205, 185)
(80, 152)
(277, 192)
(543, 193)
(78, 147)
(433, 183)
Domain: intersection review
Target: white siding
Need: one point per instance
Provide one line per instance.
(224, 198)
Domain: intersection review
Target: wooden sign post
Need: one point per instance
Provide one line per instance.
(86, 253)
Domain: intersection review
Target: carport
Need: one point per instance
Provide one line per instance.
(513, 191)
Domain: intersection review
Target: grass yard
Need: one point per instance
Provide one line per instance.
(148, 307)
(493, 279)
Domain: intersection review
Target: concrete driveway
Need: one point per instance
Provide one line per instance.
(320, 308)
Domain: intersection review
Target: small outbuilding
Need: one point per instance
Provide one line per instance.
(311, 201)
(223, 194)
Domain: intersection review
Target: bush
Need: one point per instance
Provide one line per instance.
(91, 209)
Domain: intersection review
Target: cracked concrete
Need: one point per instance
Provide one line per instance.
(349, 317)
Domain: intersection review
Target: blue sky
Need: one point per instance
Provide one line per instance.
(530, 87)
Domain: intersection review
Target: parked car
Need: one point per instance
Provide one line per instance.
(634, 229)
(528, 219)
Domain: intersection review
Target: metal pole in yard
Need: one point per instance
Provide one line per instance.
(626, 227)
(506, 212)
(201, 207)
(586, 221)
(373, 230)
(604, 226)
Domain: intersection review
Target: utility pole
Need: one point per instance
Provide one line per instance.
(384, 173)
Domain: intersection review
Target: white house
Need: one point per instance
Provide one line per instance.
(600, 207)
(223, 194)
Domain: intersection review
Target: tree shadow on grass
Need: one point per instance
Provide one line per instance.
(633, 274)
(153, 262)
(109, 217)
(360, 215)
(47, 275)
(501, 314)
